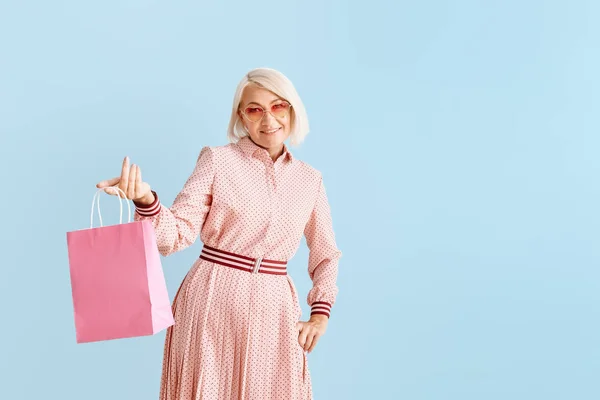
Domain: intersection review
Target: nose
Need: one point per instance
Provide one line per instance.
(268, 118)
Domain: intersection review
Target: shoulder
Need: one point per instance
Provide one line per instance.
(307, 169)
(310, 177)
(218, 153)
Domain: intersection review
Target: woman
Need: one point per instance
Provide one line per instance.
(237, 332)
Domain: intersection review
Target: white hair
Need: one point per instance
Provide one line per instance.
(273, 81)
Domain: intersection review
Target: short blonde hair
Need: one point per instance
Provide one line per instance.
(279, 84)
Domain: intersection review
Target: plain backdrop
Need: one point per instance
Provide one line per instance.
(459, 146)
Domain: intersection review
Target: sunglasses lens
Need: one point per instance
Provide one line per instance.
(254, 113)
(280, 110)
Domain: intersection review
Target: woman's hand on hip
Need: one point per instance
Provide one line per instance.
(130, 182)
(311, 331)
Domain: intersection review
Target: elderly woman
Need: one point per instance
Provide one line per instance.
(237, 332)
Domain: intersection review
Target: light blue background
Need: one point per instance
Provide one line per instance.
(459, 144)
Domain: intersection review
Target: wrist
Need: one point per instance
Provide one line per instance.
(145, 201)
(148, 206)
(319, 318)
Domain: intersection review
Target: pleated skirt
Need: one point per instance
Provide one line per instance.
(234, 338)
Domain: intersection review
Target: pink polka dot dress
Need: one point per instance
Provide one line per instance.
(235, 335)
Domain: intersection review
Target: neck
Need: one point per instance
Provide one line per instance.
(274, 153)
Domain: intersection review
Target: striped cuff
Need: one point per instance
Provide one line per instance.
(148, 210)
(321, 307)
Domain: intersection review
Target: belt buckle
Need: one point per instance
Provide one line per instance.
(257, 265)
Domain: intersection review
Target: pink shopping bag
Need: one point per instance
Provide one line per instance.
(117, 280)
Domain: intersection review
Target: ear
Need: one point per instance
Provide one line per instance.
(241, 117)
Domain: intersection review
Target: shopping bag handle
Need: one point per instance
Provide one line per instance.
(120, 204)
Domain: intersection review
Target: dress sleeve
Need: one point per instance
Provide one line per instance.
(178, 227)
(323, 256)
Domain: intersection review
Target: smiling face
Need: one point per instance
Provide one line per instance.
(273, 128)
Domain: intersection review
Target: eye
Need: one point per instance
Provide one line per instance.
(254, 110)
(279, 106)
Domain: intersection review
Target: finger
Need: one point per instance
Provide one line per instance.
(114, 190)
(314, 342)
(140, 187)
(138, 176)
(309, 341)
(124, 182)
(131, 185)
(302, 337)
(108, 182)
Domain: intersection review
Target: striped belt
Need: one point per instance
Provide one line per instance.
(248, 264)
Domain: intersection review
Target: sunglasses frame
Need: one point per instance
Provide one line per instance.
(243, 112)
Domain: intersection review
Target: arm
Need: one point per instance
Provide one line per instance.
(178, 227)
(323, 256)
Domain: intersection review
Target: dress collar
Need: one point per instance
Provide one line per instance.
(249, 148)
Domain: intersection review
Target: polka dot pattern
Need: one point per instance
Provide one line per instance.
(235, 333)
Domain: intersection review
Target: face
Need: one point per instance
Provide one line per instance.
(274, 127)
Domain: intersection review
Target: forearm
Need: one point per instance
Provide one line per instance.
(323, 256)
(176, 228)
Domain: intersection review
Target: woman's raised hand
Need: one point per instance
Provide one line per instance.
(130, 182)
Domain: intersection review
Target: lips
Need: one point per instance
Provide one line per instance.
(270, 131)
